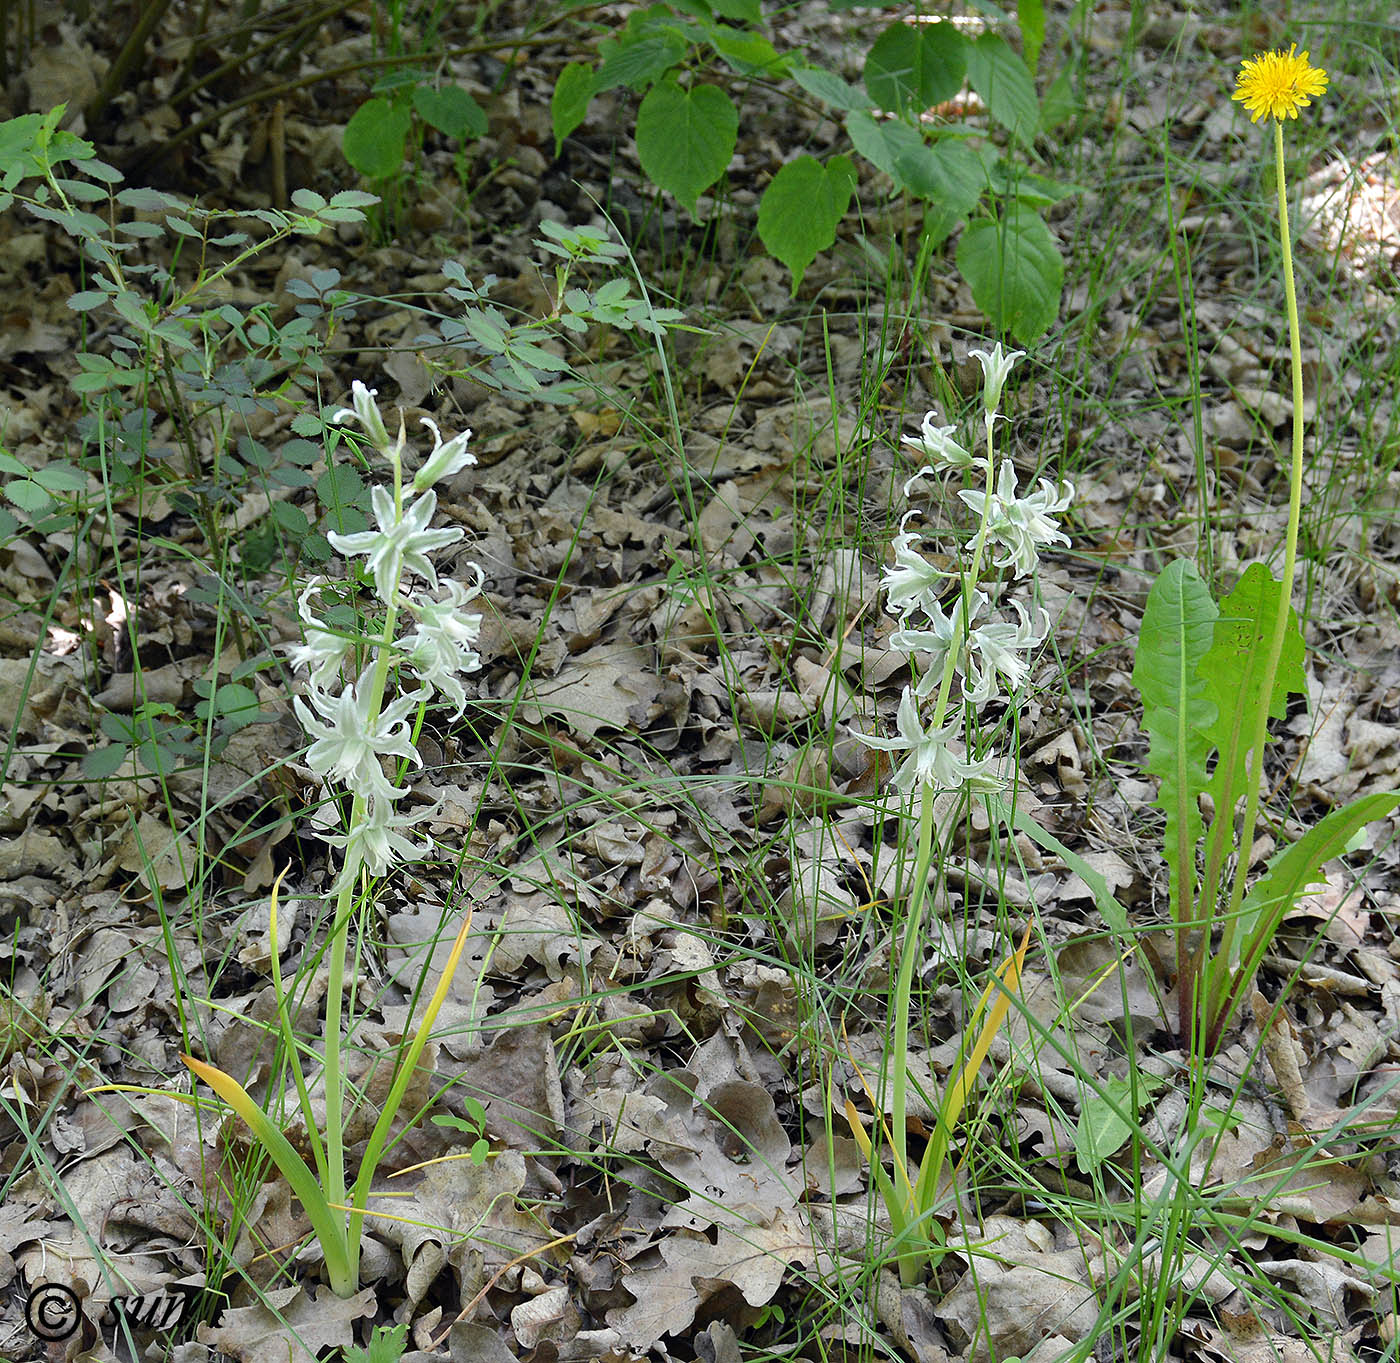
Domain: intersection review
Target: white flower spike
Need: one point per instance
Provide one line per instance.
(351, 733)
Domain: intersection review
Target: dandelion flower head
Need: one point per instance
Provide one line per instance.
(1278, 84)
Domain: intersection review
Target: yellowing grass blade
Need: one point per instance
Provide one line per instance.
(329, 1228)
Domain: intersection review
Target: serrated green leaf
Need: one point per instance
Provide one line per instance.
(19, 157)
(160, 759)
(830, 88)
(1015, 271)
(353, 198)
(26, 494)
(1232, 673)
(451, 110)
(1030, 17)
(233, 703)
(568, 105)
(61, 477)
(386, 1345)
(338, 487)
(686, 138)
(1059, 104)
(949, 174)
(910, 68)
(1001, 78)
(151, 201)
(801, 207)
(750, 54)
(373, 141)
(103, 763)
(638, 62)
(289, 517)
(81, 190)
(882, 142)
(1177, 713)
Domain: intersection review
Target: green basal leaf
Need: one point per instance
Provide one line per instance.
(1296, 869)
(330, 1230)
(451, 110)
(1232, 672)
(373, 141)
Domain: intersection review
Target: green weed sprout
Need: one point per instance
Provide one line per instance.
(354, 729)
(986, 651)
(1211, 676)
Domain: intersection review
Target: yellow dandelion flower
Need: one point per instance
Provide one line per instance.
(1278, 84)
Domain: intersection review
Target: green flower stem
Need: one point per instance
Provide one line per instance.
(349, 875)
(1208, 1014)
(923, 859)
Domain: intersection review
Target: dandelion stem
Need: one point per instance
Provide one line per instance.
(1213, 1016)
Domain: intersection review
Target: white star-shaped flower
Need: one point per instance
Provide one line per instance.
(323, 651)
(931, 760)
(445, 460)
(347, 744)
(937, 442)
(1020, 524)
(378, 840)
(911, 582)
(995, 367)
(400, 542)
(365, 410)
(439, 649)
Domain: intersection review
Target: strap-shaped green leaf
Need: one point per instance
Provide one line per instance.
(1292, 871)
(1178, 714)
(1298, 867)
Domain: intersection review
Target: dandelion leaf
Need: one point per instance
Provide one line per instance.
(1232, 671)
(1178, 713)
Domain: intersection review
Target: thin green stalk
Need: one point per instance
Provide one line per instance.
(1211, 1017)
